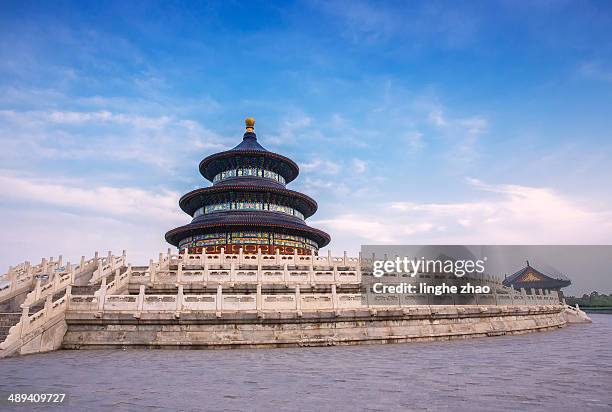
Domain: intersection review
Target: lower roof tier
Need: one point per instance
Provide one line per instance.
(250, 241)
(264, 222)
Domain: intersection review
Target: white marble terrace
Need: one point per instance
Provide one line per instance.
(49, 287)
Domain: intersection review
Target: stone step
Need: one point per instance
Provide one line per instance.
(10, 315)
(7, 320)
(4, 331)
(84, 290)
(36, 308)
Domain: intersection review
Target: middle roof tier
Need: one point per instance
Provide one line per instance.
(241, 191)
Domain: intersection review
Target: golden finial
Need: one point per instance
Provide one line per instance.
(250, 124)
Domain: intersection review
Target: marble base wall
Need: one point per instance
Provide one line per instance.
(233, 330)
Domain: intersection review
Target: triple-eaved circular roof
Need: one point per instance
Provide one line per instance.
(248, 154)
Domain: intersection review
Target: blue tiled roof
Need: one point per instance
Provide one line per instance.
(249, 143)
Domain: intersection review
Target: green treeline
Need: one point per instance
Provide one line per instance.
(594, 299)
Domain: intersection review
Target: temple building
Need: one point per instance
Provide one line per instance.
(248, 205)
(530, 278)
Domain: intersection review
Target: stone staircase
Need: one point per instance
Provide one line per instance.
(6, 321)
(46, 301)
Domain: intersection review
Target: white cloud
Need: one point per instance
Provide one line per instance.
(473, 125)
(359, 166)
(321, 166)
(74, 218)
(415, 140)
(293, 125)
(42, 233)
(505, 214)
(115, 202)
(595, 70)
(437, 117)
(163, 141)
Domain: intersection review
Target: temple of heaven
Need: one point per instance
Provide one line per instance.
(247, 205)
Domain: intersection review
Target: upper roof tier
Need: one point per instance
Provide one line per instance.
(249, 153)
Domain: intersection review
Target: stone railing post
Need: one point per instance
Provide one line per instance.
(298, 300)
(334, 297)
(259, 298)
(141, 298)
(329, 258)
(344, 259)
(116, 280)
(102, 295)
(151, 271)
(99, 270)
(232, 271)
(179, 272)
(285, 272)
(25, 320)
(219, 300)
(179, 299)
(259, 272)
(205, 265)
(37, 291)
(102, 298)
(70, 270)
(57, 278)
(48, 303)
(68, 296)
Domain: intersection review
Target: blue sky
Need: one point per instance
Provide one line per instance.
(432, 122)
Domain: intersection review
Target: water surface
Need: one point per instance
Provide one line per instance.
(568, 369)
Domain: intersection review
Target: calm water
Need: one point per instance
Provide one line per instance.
(569, 369)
